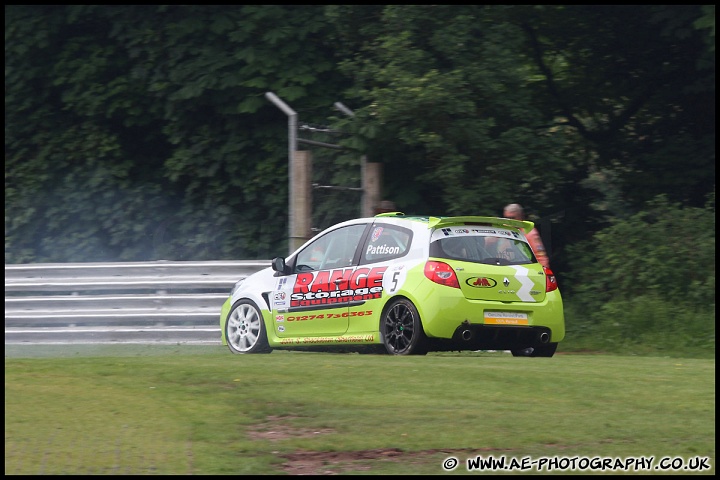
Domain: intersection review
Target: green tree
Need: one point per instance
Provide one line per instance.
(578, 112)
(445, 106)
(142, 132)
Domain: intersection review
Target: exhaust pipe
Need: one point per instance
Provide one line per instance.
(544, 337)
(467, 335)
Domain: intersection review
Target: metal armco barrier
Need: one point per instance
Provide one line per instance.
(134, 302)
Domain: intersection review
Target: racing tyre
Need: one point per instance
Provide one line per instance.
(541, 351)
(401, 329)
(245, 329)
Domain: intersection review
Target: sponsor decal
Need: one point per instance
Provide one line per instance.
(481, 282)
(302, 318)
(484, 231)
(506, 315)
(329, 340)
(281, 328)
(328, 287)
(280, 297)
(506, 318)
(376, 234)
(506, 321)
(279, 318)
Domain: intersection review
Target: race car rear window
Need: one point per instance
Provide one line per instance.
(483, 249)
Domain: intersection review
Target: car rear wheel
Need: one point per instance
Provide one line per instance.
(541, 351)
(245, 329)
(401, 329)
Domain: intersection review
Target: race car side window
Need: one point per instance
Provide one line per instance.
(385, 243)
(335, 249)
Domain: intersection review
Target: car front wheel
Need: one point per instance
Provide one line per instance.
(401, 330)
(245, 329)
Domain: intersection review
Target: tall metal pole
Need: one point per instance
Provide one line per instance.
(292, 146)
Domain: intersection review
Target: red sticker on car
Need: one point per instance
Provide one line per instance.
(481, 282)
(337, 286)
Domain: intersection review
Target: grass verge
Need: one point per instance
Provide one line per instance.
(201, 410)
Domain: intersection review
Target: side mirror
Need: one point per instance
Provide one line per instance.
(278, 264)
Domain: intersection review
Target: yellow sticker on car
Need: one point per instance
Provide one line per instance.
(506, 318)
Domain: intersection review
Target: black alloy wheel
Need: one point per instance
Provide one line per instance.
(401, 329)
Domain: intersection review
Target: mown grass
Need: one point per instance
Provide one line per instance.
(201, 410)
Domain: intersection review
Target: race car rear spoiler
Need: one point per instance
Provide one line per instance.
(437, 222)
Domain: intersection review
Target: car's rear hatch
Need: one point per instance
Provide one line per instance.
(516, 283)
(491, 258)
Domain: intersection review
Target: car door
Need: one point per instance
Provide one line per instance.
(313, 300)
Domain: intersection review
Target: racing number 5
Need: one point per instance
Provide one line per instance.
(395, 281)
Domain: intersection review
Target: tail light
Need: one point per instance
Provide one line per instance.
(550, 280)
(442, 273)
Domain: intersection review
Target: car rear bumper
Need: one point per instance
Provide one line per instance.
(486, 337)
(447, 317)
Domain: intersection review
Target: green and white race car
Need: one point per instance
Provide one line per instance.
(402, 285)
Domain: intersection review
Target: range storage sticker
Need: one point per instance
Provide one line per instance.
(333, 287)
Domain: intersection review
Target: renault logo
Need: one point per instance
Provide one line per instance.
(506, 282)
